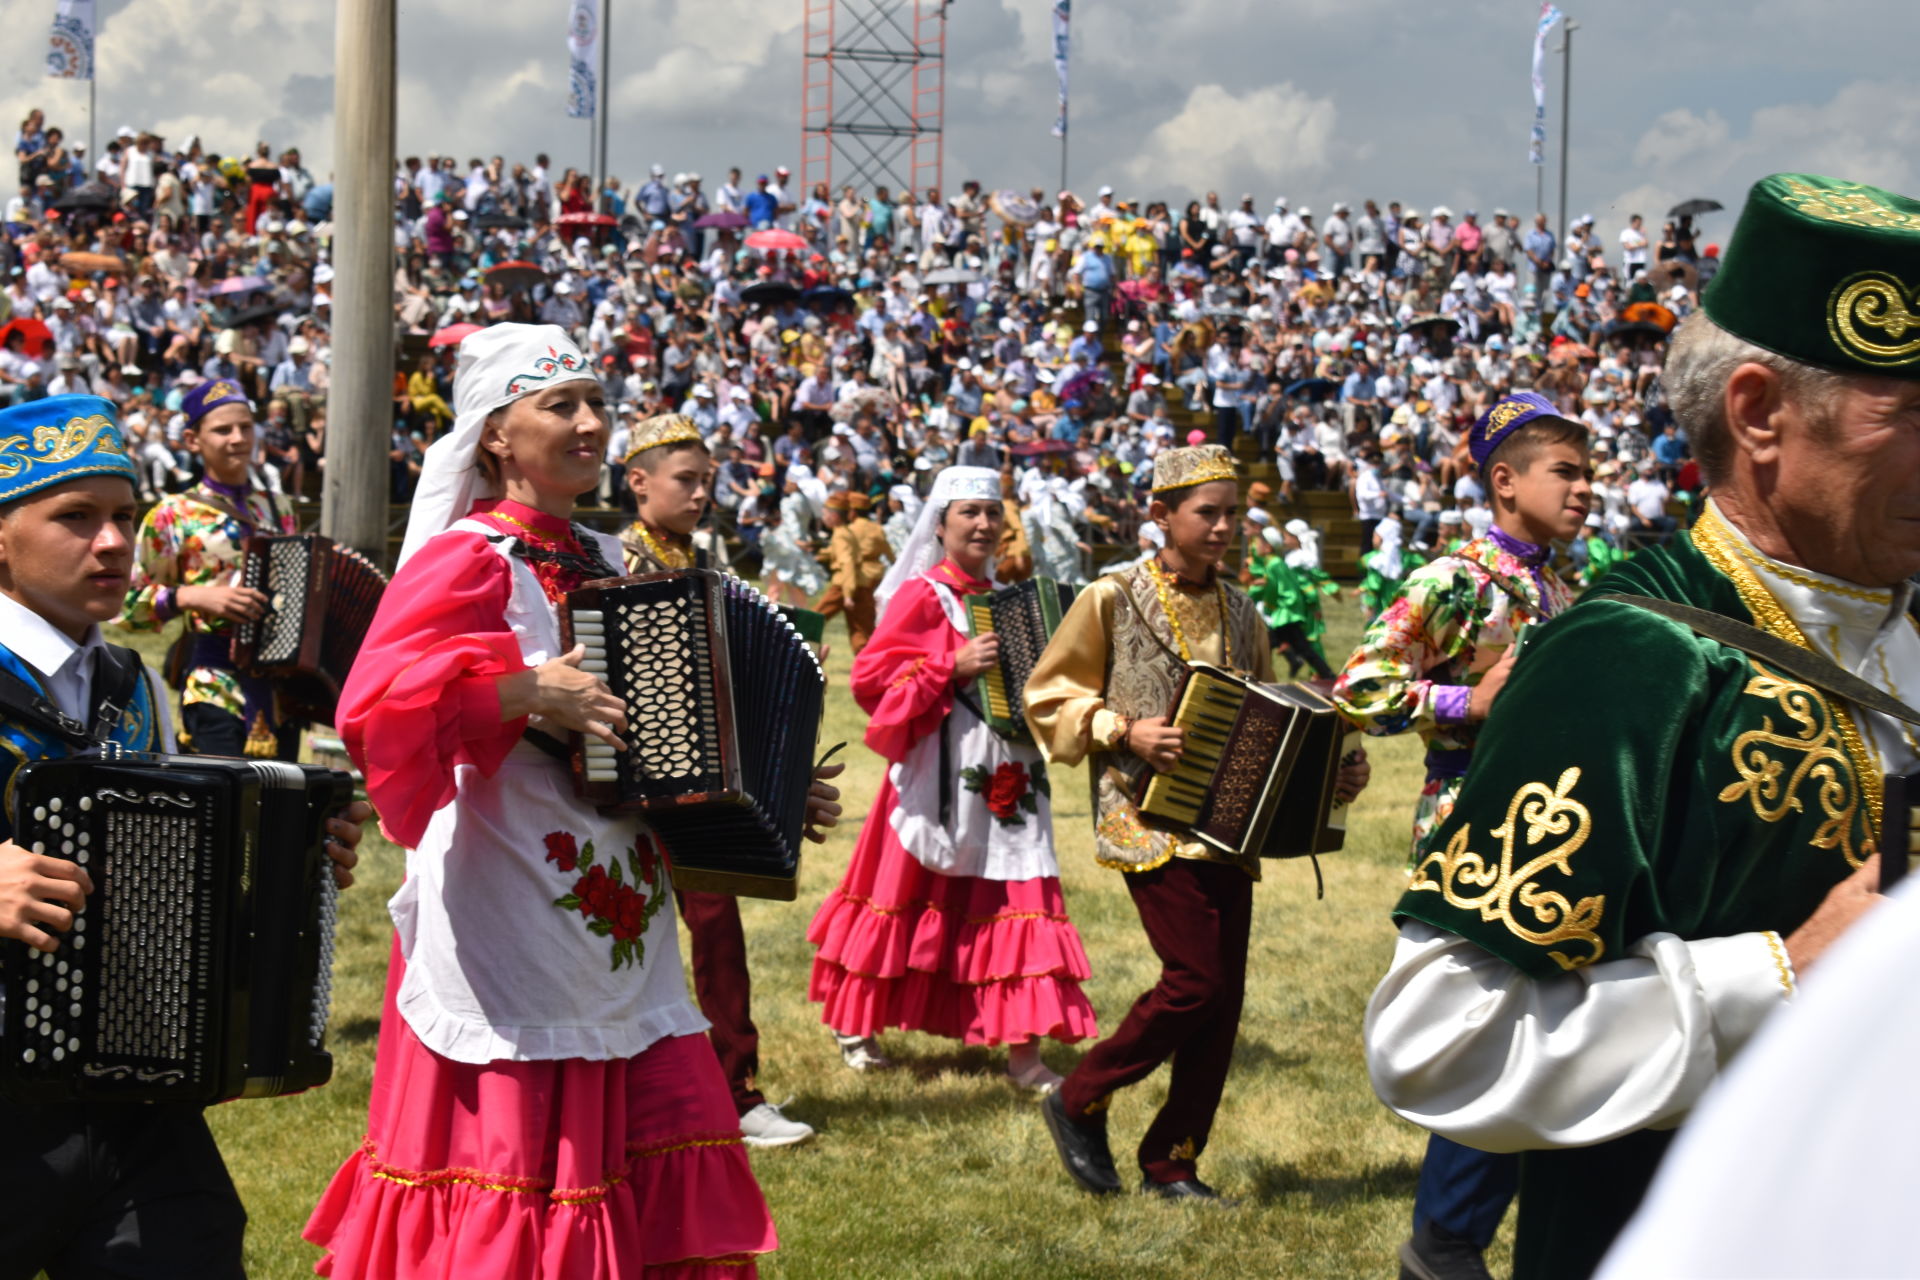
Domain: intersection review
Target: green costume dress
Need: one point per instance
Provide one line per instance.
(1638, 779)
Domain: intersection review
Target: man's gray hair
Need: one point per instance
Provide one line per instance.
(1700, 362)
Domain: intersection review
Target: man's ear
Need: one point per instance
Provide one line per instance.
(1750, 403)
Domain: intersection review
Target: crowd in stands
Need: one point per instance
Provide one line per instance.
(864, 341)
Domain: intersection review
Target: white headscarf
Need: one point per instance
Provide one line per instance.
(1307, 554)
(498, 365)
(812, 488)
(923, 549)
(910, 502)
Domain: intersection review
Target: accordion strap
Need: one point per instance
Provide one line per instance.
(116, 677)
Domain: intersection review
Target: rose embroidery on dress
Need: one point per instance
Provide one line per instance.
(614, 908)
(1009, 789)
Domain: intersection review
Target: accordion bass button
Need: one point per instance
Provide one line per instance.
(28, 1055)
(39, 813)
(53, 805)
(86, 804)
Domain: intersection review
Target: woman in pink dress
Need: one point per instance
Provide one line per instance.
(543, 1103)
(949, 919)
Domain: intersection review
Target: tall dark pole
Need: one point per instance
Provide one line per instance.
(600, 108)
(1568, 27)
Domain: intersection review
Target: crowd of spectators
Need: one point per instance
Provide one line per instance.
(865, 341)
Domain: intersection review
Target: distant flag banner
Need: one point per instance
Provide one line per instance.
(583, 55)
(1537, 148)
(1060, 17)
(70, 47)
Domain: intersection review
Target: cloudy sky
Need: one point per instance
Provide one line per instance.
(1314, 99)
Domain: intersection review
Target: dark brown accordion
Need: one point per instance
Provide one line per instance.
(321, 599)
(201, 967)
(1257, 772)
(723, 713)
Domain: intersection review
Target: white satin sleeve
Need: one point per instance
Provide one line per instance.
(1462, 1043)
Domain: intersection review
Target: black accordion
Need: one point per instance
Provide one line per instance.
(201, 967)
(321, 598)
(1024, 616)
(724, 699)
(1256, 775)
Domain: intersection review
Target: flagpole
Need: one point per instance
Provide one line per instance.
(93, 155)
(600, 107)
(1567, 28)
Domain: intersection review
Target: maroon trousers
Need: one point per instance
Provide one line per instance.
(724, 991)
(1197, 916)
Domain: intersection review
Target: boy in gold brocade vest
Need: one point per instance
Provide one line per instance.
(1102, 692)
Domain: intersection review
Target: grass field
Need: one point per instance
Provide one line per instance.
(938, 1168)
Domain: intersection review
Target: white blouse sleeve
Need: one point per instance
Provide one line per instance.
(1462, 1043)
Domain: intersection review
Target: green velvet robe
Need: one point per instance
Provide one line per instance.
(1635, 778)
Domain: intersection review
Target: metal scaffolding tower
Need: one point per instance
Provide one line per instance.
(873, 93)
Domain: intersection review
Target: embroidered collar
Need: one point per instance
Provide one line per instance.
(1525, 552)
(522, 518)
(954, 576)
(1816, 600)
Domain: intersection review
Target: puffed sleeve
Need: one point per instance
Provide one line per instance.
(422, 697)
(1066, 691)
(903, 679)
(156, 563)
(1383, 688)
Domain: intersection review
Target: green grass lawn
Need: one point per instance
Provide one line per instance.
(938, 1168)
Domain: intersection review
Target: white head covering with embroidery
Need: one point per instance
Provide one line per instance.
(924, 549)
(498, 365)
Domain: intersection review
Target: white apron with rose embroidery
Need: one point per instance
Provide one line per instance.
(495, 969)
(971, 841)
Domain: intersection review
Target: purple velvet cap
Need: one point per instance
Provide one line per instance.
(1511, 412)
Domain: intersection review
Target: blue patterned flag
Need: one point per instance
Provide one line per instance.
(1060, 16)
(70, 47)
(583, 55)
(1537, 148)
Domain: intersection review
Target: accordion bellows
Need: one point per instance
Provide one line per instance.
(200, 969)
(1024, 616)
(321, 598)
(724, 698)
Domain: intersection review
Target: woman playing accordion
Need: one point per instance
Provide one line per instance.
(543, 1102)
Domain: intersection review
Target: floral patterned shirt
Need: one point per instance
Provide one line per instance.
(197, 539)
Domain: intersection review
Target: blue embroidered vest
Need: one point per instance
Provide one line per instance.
(22, 743)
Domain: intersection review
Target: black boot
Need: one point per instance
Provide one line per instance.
(1434, 1253)
(1082, 1146)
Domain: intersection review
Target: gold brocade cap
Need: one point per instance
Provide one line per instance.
(664, 428)
(1197, 464)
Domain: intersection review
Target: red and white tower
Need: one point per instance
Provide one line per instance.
(873, 93)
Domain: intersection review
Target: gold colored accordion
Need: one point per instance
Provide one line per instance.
(724, 698)
(201, 967)
(1024, 616)
(321, 598)
(1256, 775)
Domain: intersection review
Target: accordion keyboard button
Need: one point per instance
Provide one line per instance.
(28, 1055)
(86, 804)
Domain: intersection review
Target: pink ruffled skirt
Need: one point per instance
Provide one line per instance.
(560, 1170)
(981, 961)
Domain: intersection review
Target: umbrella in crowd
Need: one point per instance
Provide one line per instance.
(1571, 353)
(1014, 207)
(592, 225)
(1694, 208)
(1430, 320)
(1038, 448)
(769, 292)
(452, 334)
(515, 274)
(89, 263)
(874, 400)
(1650, 313)
(1311, 388)
(725, 219)
(952, 275)
(89, 195)
(827, 295)
(234, 286)
(500, 222)
(776, 241)
(34, 330)
(1635, 329)
(1677, 272)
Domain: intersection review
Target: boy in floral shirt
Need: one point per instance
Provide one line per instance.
(1433, 663)
(187, 560)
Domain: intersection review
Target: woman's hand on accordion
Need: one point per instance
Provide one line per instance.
(1157, 742)
(975, 656)
(1355, 773)
(39, 896)
(573, 699)
(823, 802)
(343, 840)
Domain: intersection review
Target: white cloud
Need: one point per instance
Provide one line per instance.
(1220, 139)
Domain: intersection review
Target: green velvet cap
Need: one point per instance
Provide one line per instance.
(1825, 272)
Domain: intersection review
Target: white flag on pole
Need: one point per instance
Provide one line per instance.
(1537, 148)
(1060, 17)
(583, 55)
(70, 46)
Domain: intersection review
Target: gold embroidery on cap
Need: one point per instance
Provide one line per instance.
(1848, 203)
(1874, 300)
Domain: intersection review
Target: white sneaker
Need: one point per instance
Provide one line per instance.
(862, 1053)
(764, 1126)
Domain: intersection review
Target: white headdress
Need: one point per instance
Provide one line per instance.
(498, 365)
(811, 487)
(909, 500)
(1307, 554)
(923, 548)
(1390, 532)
